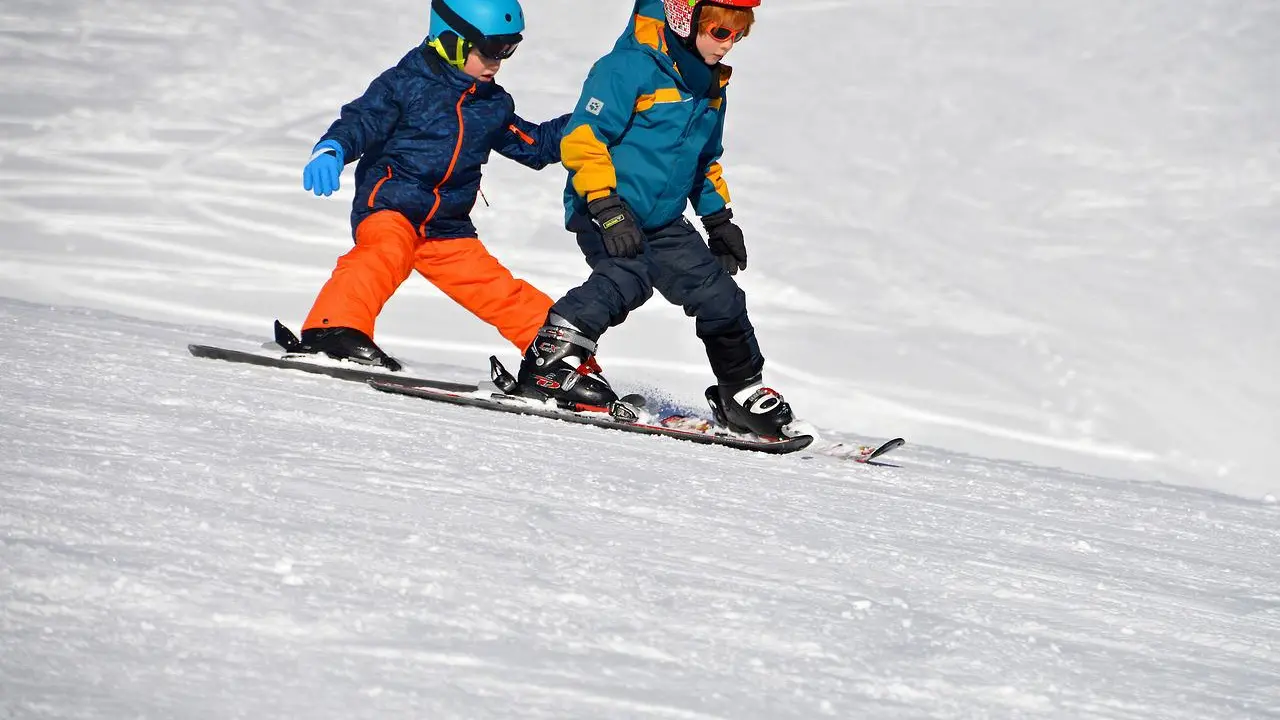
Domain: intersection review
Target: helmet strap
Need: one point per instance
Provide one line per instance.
(451, 48)
(695, 18)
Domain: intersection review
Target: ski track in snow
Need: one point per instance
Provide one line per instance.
(189, 538)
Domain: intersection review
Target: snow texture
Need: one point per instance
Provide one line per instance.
(1037, 239)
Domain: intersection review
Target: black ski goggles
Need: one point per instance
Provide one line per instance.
(498, 47)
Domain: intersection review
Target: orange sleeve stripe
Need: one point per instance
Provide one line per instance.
(658, 97)
(588, 159)
(715, 174)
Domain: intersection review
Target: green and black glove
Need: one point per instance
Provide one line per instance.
(622, 234)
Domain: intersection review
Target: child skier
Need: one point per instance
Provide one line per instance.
(421, 131)
(644, 141)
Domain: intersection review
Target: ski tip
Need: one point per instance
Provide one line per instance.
(886, 447)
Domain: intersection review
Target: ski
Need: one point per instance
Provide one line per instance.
(624, 415)
(614, 418)
(336, 369)
(864, 453)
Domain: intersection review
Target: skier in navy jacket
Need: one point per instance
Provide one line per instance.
(421, 132)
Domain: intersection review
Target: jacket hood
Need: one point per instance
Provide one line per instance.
(646, 31)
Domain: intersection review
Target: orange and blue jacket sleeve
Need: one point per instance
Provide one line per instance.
(711, 193)
(599, 119)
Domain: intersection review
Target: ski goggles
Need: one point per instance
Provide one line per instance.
(720, 33)
(498, 47)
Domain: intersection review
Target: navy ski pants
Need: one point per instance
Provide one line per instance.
(678, 263)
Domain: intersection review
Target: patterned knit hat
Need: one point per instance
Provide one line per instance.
(681, 13)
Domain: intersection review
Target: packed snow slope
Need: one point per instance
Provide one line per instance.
(1028, 236)
(186, 538)
(1039, 231)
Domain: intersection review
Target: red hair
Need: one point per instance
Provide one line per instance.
(730, 17)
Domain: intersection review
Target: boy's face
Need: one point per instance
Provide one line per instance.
(480, 67)
(713, 50)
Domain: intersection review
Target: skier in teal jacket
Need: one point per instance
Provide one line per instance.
(644, 143)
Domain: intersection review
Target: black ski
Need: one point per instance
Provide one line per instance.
(522, 406)
(623, 415)
(886, 447)
(349, 371)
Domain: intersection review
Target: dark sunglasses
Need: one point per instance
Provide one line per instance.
(720, 33)
(498, 47)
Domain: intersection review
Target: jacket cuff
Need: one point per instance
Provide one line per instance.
(717, 218)
(332, 146)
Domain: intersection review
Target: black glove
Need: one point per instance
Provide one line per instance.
(622, 236)
(725, 240)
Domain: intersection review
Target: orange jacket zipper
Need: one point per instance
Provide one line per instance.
(378, 186)
(520, 134)
(457, 150)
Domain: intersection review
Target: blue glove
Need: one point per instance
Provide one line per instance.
(321, 174)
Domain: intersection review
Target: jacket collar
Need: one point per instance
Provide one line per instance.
(697, 75)
(648, 31)
(429, 63)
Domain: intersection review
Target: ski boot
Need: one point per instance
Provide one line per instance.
(750, 407)
(560, 365)
(341, 343)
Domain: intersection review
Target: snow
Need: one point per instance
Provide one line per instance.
(1036, 240)
(185, 537)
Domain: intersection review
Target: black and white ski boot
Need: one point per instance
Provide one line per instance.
(341, 343)
(560, 365)
(750, 407)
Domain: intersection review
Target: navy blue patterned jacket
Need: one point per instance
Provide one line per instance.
(422, 130)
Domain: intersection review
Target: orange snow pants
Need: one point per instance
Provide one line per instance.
(388, 249)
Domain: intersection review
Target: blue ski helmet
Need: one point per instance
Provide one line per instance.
(492, 27)
(477, 20)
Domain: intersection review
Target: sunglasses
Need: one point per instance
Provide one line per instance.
(498, 47)
(720, 33)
